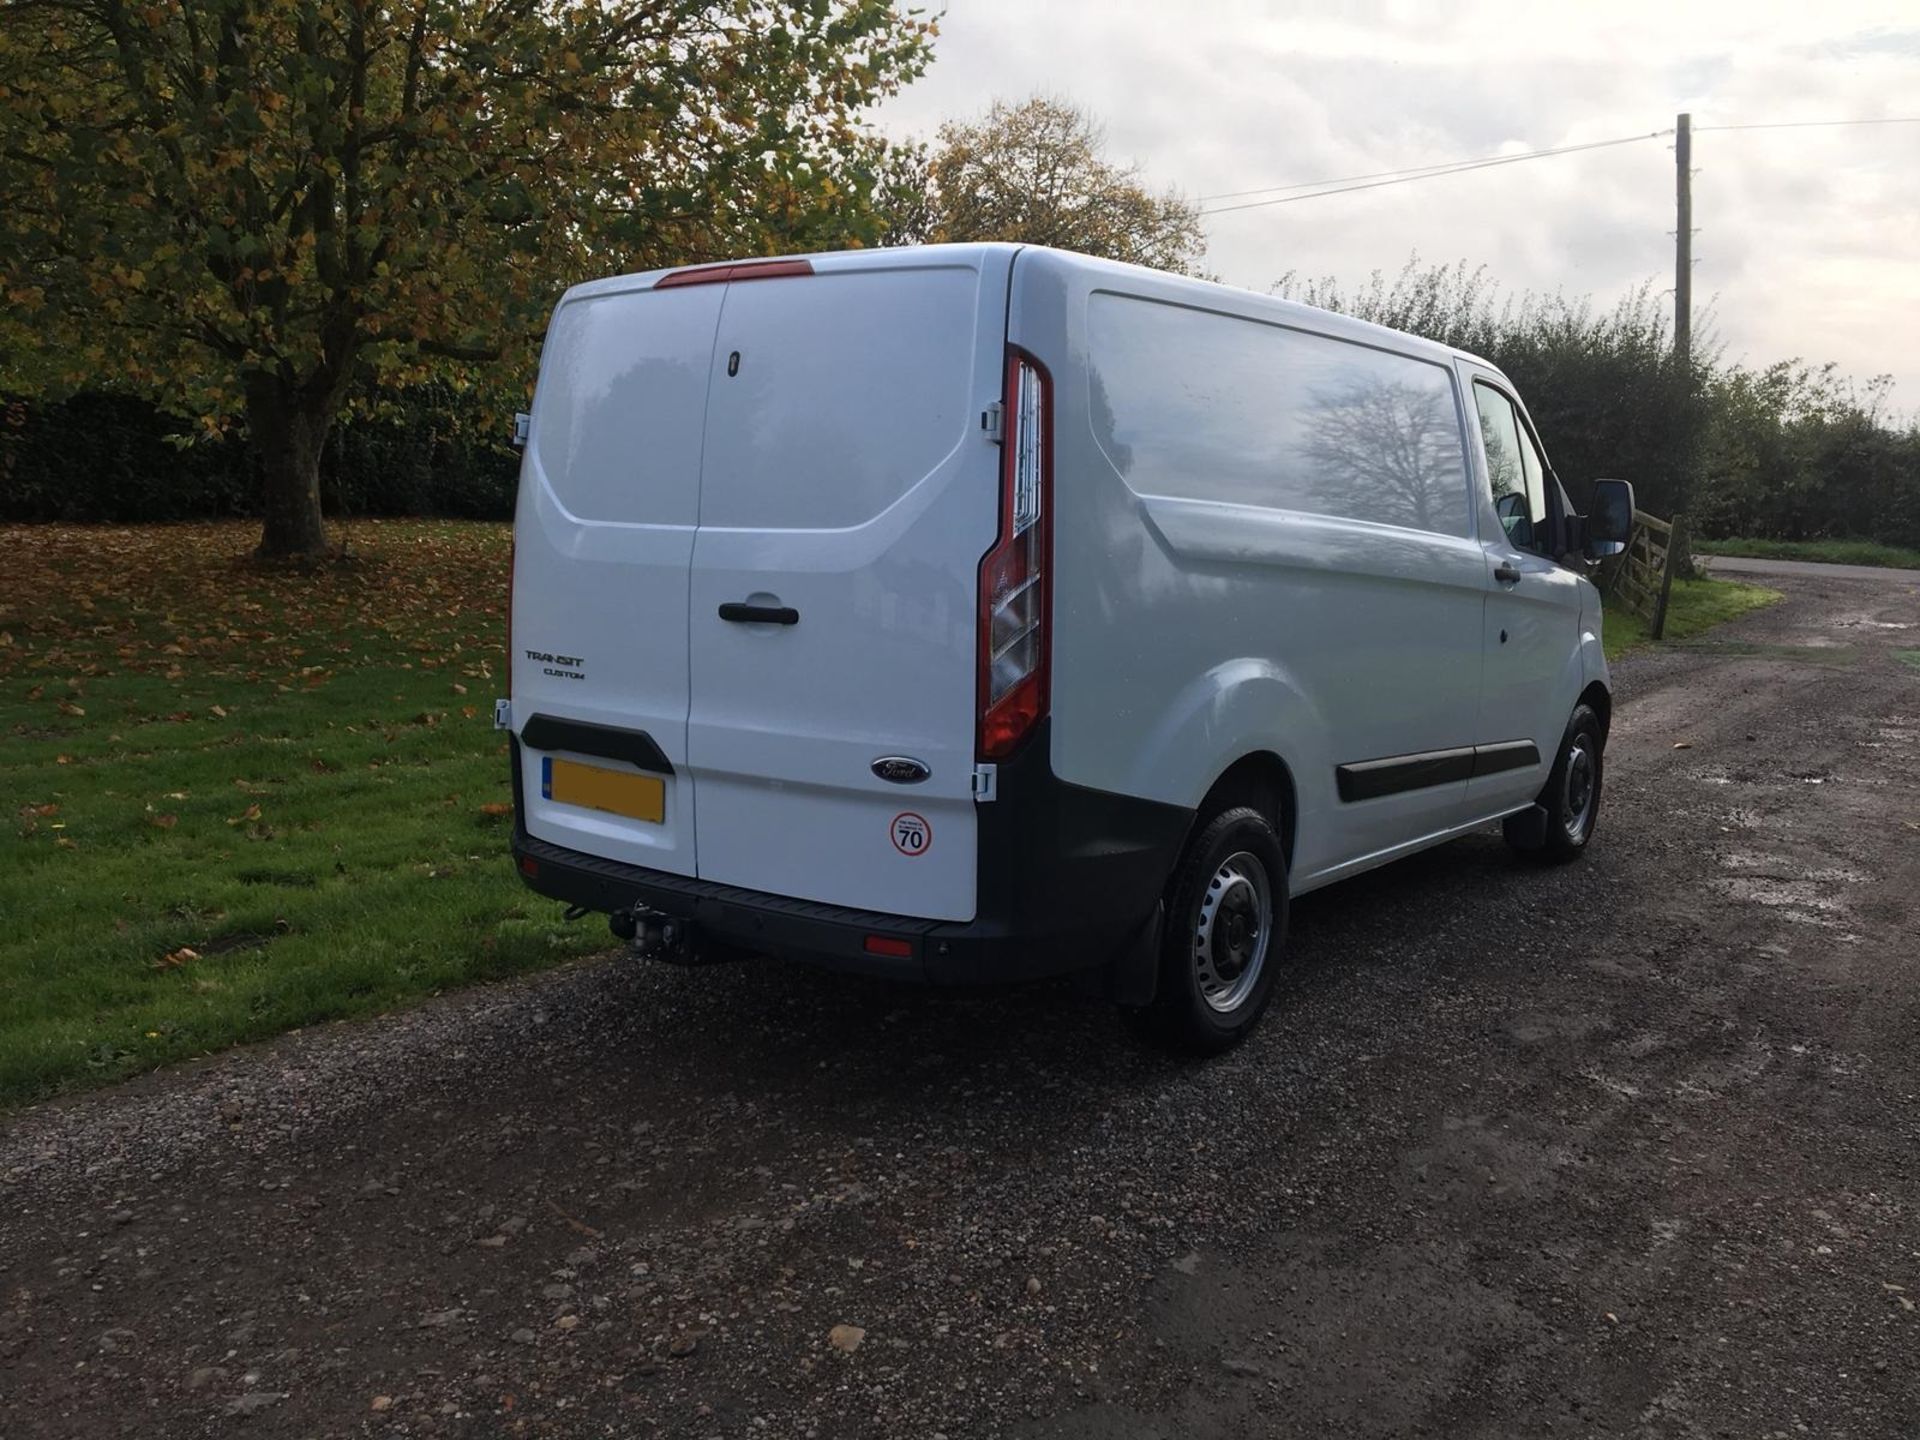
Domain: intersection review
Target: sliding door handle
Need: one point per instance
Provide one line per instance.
(759, 614)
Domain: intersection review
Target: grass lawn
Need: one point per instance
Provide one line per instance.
(1830, 552)
(238, 802)
(1694, 606)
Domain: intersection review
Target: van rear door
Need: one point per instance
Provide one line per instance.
(603, 535)
(848, 492)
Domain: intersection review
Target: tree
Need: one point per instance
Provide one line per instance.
(237, 206)
(1033, 172)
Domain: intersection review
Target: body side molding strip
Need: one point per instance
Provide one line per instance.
(1397, 774)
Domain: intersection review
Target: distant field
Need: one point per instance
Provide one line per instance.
(1694, 606)
(1830, 552)
(238, 802)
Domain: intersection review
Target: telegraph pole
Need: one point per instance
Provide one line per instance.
(1683, 241)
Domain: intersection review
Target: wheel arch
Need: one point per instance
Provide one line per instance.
(1600, 699)
(1263, 780)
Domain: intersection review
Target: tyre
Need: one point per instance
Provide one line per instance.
(1572, 794)
(1225, 934)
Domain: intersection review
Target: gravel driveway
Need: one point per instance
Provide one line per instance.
(1626, 1148)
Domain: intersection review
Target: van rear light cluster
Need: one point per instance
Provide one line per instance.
(1015, 613)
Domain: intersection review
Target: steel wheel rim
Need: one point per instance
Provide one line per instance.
(1582, 785)
(1233, 932)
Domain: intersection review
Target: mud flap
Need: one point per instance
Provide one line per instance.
(1133, 979)
(1528, 829)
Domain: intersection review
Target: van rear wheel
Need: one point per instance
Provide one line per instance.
(1226, 931)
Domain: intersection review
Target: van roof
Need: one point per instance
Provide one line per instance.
(1250, 302)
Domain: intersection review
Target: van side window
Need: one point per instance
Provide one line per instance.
(1514, 467)
(1204, 406)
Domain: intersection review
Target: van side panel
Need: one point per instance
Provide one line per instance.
(1196, 618)
(603, 533)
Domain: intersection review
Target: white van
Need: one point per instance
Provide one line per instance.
(977, 612)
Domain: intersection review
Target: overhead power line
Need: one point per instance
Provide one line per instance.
(1812, 124)
(1345, 184)
(1317, 188)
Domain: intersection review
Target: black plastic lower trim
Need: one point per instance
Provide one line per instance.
(1396, 774)
(1507, 755)
(583, 737)
(1370, 779)
(1067, 876)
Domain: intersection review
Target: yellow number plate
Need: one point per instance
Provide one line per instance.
(618, 792)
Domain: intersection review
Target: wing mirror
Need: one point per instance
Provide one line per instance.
(1609, 518)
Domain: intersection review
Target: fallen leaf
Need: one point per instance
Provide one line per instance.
(217, 710)
(163, 822)
(252, 812)
(67, 707)
(63, 759)
(1683, 744)
(458, 688)
(64, 843)
(174, 959)
(496, 809)
(846, 1338)
(50, 808)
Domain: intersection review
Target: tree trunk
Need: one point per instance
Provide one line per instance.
(289, 429)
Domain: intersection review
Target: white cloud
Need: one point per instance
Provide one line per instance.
(1807, 239)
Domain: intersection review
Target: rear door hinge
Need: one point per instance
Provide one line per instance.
(522, 427)
(503, 714)
(992, 421)
(986, 782)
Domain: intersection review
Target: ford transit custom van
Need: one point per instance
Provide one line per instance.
(980, 612)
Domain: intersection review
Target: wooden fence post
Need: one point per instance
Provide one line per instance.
(1676, 539)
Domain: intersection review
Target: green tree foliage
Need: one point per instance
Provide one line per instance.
(1795, 452)
(1034, 172)
(242, 207)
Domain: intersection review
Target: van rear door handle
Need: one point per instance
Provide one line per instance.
(759, 614)
(1506, 574)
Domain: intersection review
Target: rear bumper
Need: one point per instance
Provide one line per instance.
(1069, 878)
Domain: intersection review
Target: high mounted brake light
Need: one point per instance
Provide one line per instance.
(739, 270)
(1015, 593)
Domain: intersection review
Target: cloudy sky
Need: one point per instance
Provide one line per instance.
(1807, 243)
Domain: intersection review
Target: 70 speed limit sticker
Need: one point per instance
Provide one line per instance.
(911, 833)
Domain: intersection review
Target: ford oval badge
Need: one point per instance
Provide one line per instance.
(900, 769)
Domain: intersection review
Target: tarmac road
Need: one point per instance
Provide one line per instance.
(1630, 1147)
(1808, 569)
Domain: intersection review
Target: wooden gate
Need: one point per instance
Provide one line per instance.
(1642, 578)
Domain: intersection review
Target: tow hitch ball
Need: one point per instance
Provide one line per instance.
(651, 936)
